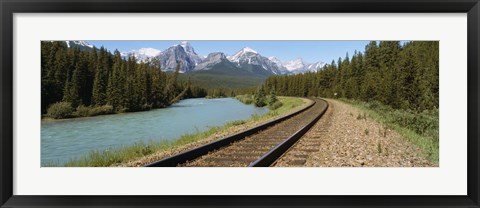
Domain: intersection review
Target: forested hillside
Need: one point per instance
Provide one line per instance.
(401, 76)
(97, 77)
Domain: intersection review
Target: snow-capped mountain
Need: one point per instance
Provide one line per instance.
(279, 63)
(78, 43)
(246, 59)
(298, 66)
(187, 47)
(275, 60)
(182, 53)
(142, 54)
(314, 67)
(82, 45)
(248, 56)
(294, 65)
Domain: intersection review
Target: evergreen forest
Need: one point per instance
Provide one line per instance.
(97, 80)
(400, 76)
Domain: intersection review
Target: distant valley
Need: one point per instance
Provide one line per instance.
(246, 67)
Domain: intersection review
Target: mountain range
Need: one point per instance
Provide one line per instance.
(82, 45)
(246, 61)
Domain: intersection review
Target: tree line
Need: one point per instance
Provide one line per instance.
(98, 77)
(401, 76)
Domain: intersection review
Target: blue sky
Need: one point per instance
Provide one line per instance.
(310, 51)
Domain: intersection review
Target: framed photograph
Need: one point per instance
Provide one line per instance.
(244, 104)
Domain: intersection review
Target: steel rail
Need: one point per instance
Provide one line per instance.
(197, 152)
(271, 156)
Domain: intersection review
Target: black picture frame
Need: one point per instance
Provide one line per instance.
(9, 7)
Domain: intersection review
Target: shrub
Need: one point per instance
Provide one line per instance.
(420, 127)
(60, 110)
(101, 110)
(246, 99)
(83, 111)
(275, 105)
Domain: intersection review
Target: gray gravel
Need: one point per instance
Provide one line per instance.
(339, 139)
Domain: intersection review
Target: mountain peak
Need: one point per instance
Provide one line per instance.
(247, 49)
(295, 65)
(78, 43)
(245, 53)
(275, 60)
(142, 54)
(187, 47)
(185, 44)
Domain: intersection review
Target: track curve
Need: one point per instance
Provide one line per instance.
(257, 149)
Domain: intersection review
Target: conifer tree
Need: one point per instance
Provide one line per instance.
(400, 76)
(260, 98)
(114, 87)
(273, 97)
(99, 94)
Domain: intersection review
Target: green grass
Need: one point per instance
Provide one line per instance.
(419, 128)
(109, 157)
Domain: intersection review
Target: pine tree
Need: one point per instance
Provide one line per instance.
(273, 97)
(114, 87)
(260, 99)
(400, 76)
(171, 89)
(99, 94)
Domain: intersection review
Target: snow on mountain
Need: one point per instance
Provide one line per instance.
(245, 59)
(151, 52)
(315, 66)
(142, 54)
(82, 45)
(295, 65)
(279, 63)
(246, 54)
(275, 60)
(187, 47)
(251, 57)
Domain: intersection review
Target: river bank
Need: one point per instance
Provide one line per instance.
(62, 140)
(125, 153)
(290, 104)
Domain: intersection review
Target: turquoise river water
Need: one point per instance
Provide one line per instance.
(63, 140)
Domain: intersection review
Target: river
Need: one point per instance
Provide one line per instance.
(62, 140)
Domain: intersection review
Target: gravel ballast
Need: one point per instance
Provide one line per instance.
(347, 137)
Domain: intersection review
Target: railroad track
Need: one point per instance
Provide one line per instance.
(260, 146)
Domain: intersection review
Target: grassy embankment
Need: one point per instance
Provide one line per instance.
(110, 157)
(419, 128)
